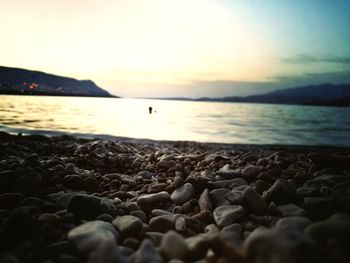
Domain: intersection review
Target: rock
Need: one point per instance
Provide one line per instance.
(218, 197)
(335, 227)
(281, 192)
(162, 223)
(230, 184)
(198, 247)
(291, 210)
(145, 174)
(250, 172)
(262, 162)
(140, 214)
(204, 201)
(148, 253)
(254, 201)
(235, 197)
(28, 183)
(49, 218)
(183, 194)
(128, 225)
(173, 246)
(96, 241)
(293, 222)
(228, 173)
(131, 242)
(84, 207)
(281, 245)
(180, 224)
(236, 228)
(9, 200)
(105, 217)
(227, 215)
(153, 199)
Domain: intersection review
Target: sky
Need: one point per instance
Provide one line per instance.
(180, 48)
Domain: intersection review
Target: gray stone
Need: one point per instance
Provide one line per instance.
(128, 225)
(217, 197)
(204, 201)
(96, 241)
(254, 201)
(227, 215)
(250, 172)
(293, 222)
(183, 194)
(173, 246)
(281, 192)
(291, 210)
(148, 253)
(146, 174)
(153, 199)
(162, 223)
(281, 245)
(198, 247)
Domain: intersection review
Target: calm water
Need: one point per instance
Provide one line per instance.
(178, 120)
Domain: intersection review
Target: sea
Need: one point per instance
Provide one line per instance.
(219, 122)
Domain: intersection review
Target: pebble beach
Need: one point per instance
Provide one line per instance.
(69, 200)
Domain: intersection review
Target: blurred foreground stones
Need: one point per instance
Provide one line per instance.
(70, 200)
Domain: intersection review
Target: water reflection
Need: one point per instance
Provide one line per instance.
(179, 120)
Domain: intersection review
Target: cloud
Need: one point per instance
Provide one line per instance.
(307, 58)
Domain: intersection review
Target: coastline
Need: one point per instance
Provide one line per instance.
(145, 200)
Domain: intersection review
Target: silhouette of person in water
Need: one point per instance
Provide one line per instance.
(150, 110)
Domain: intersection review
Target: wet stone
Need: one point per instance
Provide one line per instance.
(153, 199)
(173, 246)
(162, 223)
(250, 172)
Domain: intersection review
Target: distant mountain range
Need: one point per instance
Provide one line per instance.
(27, 82)
(323, 95)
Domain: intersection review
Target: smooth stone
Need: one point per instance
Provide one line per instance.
(228, 173)
(236, 228)
(96, 241)
(173, 246)
(250, 172)
(218, 197)
(291, 210)
(262, 162)
(162, 223)
(146, 174)
(84, 207)
(148, 253)
(131, 242)
(128, 225)
(254, 201)
(281, 245)
(230, 183)
(235, 197)
(140, 214)
(49, 218)
(281, 192)
(293, 222)
(335, 227)
(227, 215)
(105, 217)
(180, 224)
(183, 194)
(28, 183)
(198, 247)
(204, 201)
(153, 199)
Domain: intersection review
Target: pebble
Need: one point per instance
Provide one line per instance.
(174, 246)
(250, 172)
(183, 194)
(281, 192)
(291, 210)
(148, 253)
(204, 201)
(153, 199)
(128, 225)
(254, 201)
(162, 223)
(293, 222)
(84, 207)
(96, 240)
(227, 215)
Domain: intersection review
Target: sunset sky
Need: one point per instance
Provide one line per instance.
(156, 48)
